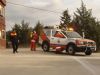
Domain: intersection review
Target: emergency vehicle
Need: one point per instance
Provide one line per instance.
(70, 41)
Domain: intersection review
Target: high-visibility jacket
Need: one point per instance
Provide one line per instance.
(13, 37)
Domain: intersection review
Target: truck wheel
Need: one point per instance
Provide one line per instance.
(71, 49)
(45, 47)
(88, 52)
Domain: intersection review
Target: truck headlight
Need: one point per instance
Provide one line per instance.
(78, 42)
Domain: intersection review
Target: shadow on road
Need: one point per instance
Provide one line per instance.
(64, 53)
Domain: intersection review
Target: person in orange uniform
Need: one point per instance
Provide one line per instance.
(14, 40)
(34, 41)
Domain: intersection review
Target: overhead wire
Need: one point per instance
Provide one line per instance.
(49, 11)
(33, 7)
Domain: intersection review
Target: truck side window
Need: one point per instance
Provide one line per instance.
(48, 33)
(53, 33)
(59, 35)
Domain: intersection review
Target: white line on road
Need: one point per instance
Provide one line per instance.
(86, 65)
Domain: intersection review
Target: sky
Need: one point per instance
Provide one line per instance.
(15, 13)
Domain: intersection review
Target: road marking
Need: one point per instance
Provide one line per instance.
(89, 57)
(26, 66)
(86, 65)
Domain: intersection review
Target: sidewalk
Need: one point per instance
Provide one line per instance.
(26, 52)
(23, 51)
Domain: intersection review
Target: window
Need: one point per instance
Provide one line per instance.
(2, 34)
(59, 34)
(53, 32)
(2, 11)
(72, 34)
(48, 32)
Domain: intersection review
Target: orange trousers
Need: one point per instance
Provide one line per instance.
(33, 45)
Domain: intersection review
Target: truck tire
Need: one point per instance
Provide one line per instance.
(71, 49)
(45, 47)
(88, 52)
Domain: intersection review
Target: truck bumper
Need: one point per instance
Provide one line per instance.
(84, 48)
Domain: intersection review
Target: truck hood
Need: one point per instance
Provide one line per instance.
(85, 40)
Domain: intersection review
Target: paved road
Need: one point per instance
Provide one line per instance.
(41, 63)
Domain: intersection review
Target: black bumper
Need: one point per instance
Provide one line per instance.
(84, 48)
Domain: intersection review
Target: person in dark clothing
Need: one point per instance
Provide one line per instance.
(14, 40)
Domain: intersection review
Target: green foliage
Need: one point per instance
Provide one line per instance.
(8, 36)
(65, 19)
(24, 33)
(38, 28)
(23, 30)
(84, 21)
(82, 18)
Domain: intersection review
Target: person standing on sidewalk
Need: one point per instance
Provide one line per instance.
(14, 41)
(34, 41)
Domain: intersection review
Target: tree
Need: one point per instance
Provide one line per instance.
(23, 30)
(17, 27)
(84, 21)
(82, 18)
(38, 28)
(65, 19)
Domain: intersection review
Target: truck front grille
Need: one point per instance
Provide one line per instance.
(90, 44)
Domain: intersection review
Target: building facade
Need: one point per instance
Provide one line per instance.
(2, 24)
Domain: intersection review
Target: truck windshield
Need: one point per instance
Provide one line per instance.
(72, 34)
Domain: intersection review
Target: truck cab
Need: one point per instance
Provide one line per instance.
(70, 41)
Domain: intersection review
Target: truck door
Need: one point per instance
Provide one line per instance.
(58, 38)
